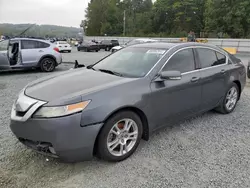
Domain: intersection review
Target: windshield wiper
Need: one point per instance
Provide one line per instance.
(111, 72)
(90, 67)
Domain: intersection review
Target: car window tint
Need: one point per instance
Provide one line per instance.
(28, 44)
(182, 61)
(31, 44)
(42, 45)
(221, 59)
(4, 45)
(207, 57)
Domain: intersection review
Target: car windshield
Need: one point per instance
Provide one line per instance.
(131, 62)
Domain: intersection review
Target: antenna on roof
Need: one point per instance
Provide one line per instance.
(25, 30)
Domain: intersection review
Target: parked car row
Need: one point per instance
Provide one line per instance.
(108, 45)
(93, 45)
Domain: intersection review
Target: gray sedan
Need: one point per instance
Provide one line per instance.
(107, 108)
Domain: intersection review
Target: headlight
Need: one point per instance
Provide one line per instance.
(58, 111)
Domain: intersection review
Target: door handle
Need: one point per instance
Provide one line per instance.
(195, 79)
(223, 71)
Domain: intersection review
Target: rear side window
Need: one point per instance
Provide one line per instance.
(114, 41)
(221, 59)
(42, 45)
(210, 58)
(182, 61)
(32, 44)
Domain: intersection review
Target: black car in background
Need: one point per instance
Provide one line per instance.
(87, 46)
(108, 44)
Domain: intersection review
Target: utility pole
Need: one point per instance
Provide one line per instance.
(83, 29)
(124, 23)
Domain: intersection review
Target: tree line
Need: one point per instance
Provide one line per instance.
(168, 18)
(48, 31)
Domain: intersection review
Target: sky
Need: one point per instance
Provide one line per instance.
(53, 12)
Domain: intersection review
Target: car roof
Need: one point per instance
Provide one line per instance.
(145, 39)
(155, 45)
(168, 45)
(41, 40)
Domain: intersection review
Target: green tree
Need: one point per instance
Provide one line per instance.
(231, 17)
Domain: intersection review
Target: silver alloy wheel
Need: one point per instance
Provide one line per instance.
(122, 137)
(48, 65)
(231, 98)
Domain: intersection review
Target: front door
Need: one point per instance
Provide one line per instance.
(214, 71)
(4, 60)
(177, 99)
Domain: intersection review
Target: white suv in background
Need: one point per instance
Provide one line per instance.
(63, 46)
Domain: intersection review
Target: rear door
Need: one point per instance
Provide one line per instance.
(214, 71)
(4, 60)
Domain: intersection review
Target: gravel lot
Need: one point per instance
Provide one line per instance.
(211, 150)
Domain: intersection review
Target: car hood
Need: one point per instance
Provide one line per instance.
(71, 86)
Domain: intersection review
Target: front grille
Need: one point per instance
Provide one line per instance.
(41, 147)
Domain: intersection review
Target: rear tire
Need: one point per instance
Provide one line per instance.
(69, 51)
(230, 99)
(123, 131)
(47, 65)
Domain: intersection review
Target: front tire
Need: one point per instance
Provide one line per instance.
(120, 136)
(230, 99)
(47, 65)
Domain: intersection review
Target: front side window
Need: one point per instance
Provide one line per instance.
(182, 61)
(131, 62)
(4, 45)
(210, 58)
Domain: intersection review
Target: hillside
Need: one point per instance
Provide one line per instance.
(39, 30)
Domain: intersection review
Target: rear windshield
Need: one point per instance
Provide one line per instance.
(62, 42)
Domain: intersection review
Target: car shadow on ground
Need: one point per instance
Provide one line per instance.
(36, 71)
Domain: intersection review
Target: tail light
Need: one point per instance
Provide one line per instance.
(56, 49)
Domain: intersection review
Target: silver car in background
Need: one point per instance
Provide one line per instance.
(23, 53)
(132, 42)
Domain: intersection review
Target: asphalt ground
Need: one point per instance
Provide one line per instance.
(210, 150)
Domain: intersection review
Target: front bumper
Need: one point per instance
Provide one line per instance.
(58, 137)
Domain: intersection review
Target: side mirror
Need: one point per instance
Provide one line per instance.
(170, 75)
